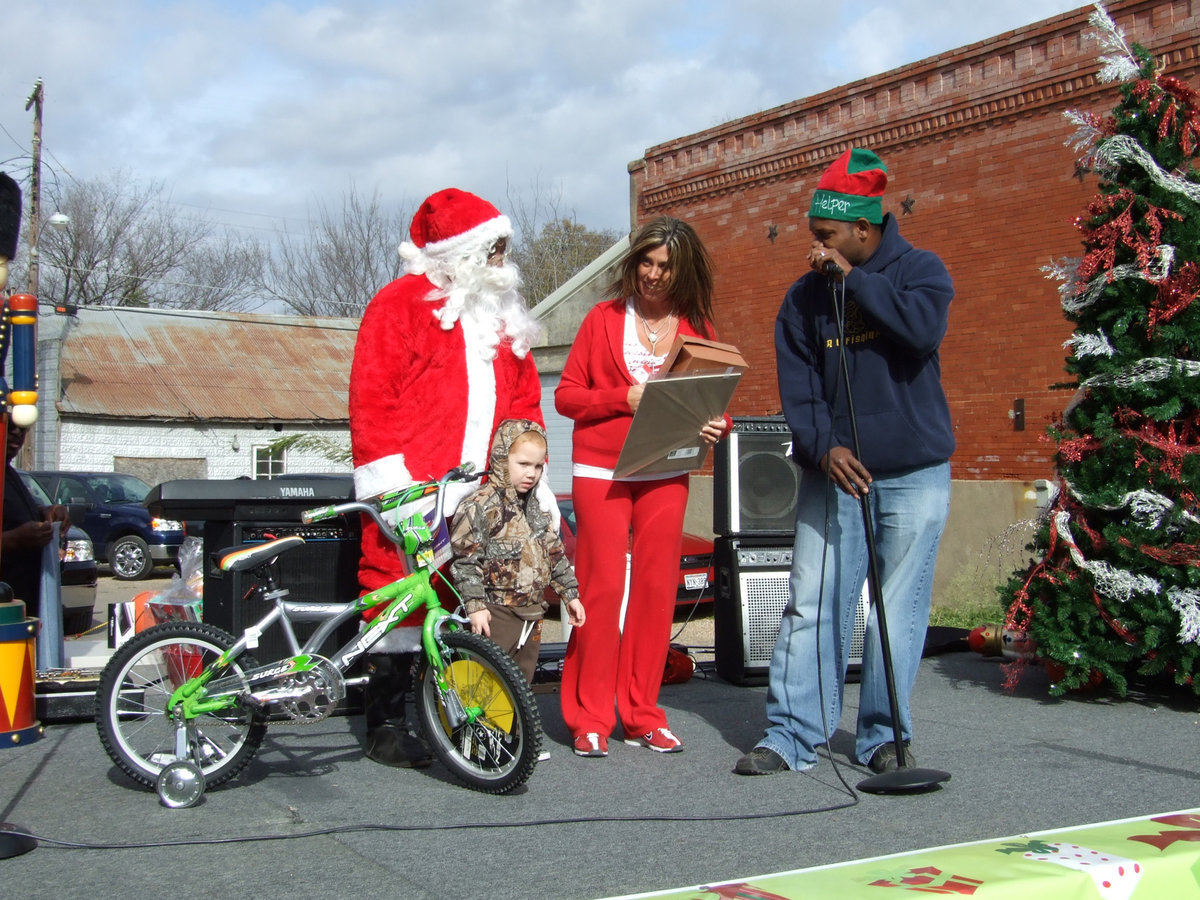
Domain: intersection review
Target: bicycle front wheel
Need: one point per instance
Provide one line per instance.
(136, 686)
(496, 749)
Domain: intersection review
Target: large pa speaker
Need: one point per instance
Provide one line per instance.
(754, 483)
(324, 569)
(748, 602)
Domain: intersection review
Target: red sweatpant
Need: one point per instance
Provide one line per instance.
(603, 664)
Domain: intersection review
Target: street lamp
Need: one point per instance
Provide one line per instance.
(59, 222)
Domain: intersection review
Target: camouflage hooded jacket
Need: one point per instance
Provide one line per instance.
(505, 548)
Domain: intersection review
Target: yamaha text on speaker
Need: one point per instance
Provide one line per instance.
(750, 596)
(754, 483)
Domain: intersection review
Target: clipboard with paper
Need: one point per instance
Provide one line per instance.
(665, 434)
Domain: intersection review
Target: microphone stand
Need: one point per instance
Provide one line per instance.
(905, 778)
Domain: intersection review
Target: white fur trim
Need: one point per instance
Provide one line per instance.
(480, 238)
(481, 397)
(379, 475)
(402, 639)
(546, 499)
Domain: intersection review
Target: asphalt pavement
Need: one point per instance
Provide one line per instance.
(312, 816)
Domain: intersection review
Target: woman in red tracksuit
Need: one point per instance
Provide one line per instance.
(665, 289)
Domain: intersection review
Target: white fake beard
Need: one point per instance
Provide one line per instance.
(487, 296)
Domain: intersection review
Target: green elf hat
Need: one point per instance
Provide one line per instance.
(851, 189)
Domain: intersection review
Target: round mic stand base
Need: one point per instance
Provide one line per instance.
(12, 843)
(904, 781)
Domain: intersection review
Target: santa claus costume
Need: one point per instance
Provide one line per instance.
(442, 358)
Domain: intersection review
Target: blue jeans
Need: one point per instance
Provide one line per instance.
(908, 512)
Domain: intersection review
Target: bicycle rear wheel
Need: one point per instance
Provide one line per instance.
(132, 697)
(498, 750)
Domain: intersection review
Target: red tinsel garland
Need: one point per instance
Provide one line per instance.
(1175, 294)
(1141, 234)
(1177, 104)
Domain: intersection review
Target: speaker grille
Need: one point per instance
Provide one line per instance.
(754, 483)
(751, 595)
(764, 595)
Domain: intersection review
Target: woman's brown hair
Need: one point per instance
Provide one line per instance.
(690, 290)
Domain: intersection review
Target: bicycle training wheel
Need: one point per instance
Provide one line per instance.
(131, 705)
(498, 750)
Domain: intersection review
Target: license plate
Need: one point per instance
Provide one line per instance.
(696, 582)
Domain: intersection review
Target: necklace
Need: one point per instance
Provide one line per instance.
(652, 334)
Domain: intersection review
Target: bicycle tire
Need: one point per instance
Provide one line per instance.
(499, 750)
(131, 705)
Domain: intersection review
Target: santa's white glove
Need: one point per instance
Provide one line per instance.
(455, 492)
(547, 501)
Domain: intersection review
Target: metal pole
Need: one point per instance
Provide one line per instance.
(35, 185)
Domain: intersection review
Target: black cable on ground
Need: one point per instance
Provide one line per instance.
(457, 826)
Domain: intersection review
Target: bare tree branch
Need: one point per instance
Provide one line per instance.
(127, 246)
(345, 258)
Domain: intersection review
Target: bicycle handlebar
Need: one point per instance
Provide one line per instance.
(374, 507)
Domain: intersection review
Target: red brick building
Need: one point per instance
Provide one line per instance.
(974, 140)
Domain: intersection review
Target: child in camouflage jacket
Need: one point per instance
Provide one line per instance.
(506, 551)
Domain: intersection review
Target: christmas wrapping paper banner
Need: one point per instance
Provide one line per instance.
(1151, 857)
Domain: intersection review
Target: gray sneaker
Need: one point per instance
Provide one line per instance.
(761, 761)
(884, 758)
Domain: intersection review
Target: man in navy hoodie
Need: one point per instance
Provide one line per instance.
(892, 301)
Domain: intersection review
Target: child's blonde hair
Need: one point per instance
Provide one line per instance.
(526, 437)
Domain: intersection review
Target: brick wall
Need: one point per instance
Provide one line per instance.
(974, 140)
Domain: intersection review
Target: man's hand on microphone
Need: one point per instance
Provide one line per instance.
(843, 467)
(827, 261)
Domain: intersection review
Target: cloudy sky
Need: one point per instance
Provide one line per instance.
(256, 111)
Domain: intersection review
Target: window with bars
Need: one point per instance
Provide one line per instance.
(268, 462)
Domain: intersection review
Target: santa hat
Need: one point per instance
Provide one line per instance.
(452, 224)
(10, 216)
(851, 189)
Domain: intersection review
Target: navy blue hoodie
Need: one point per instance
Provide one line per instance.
(897, 303)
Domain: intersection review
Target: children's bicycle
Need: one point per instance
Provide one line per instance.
(184, 705)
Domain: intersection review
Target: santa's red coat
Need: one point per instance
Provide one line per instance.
(420, 404)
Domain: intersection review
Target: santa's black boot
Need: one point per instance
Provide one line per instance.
(391, 740)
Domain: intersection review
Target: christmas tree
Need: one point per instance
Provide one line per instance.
(1114, 588)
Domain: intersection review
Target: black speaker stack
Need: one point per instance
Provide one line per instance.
(239, 512)
(755, 487)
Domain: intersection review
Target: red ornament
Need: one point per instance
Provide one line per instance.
(1057, 670)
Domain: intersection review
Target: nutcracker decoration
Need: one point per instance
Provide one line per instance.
(17, 632)
(18, 319)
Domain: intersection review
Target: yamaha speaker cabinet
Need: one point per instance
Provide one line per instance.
(749, 599)
(238, 512)
(324, 569)
(754, 483)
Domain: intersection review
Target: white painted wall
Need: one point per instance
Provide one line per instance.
(92, 446)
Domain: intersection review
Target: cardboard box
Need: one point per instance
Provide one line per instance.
(693, 354)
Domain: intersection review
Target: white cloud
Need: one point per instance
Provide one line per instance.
(267, 107)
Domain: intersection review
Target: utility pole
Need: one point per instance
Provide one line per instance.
(35, 186)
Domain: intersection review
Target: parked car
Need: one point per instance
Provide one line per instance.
(695, 561)
(79, 573)
(108, 506)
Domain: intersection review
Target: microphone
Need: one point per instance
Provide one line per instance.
(829, 267)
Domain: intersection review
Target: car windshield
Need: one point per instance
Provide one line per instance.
(39, 495)
(117, 488)
(567, 509)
